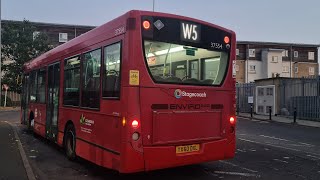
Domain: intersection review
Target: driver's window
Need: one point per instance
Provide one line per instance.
(112, 63)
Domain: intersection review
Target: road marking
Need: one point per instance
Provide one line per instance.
(242, 134)
(241, 150)
(254, 120)
(272, 145)
(286, 157)
(234, 165)
(306, 144)
(246, 118)
(264, 122)
(24, 158)
(237, 174)
(272, 137)
(281, 161)
(313, 156)
(247, 140)
(281, 139)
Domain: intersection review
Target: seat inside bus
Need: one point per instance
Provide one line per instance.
(111, 86)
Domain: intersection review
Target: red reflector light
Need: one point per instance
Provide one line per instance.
(226, 39)
(146, 25)
(232, 120)
(135, 123)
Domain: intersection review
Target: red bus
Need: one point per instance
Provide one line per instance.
(144, 91)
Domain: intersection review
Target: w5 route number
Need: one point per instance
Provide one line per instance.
(190, 32)
(120, 30)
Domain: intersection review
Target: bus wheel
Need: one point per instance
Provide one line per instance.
(70, 142)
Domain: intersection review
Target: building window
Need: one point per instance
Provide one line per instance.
(237, 52)
(237, 67)
(310, 55)
(35, 34)
(252, 68)
(71, 89)
(91, 64)
(112, 63)
(252, 52)
(260, 109)
(260, 91)
(311, 71)
(269, 91)
(41, 86)
(295, 54)
(274, 59)
(285, 53)
(285, 69)
(63, 37)
(296, 70)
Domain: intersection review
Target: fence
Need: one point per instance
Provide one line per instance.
(302, 95)
(243, 92)
(291, 94)
(13, 98)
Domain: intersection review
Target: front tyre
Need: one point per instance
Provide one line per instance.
(70, 142)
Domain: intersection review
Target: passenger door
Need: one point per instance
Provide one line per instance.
(53, 101)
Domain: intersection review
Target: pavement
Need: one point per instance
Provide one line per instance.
(280, 119)
(9, 108)
(11, 163)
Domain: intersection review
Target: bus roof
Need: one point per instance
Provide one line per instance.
(85, 39)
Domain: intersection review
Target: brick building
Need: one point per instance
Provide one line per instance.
(260, 60)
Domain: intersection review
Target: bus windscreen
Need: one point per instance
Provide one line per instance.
(181, 64)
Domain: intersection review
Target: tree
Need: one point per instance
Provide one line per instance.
(19, 45)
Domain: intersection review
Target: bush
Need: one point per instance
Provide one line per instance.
(8, 103)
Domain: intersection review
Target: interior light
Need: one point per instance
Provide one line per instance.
(172, 50)
(213, 60)
(146, 24)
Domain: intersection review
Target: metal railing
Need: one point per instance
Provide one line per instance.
(293, 95)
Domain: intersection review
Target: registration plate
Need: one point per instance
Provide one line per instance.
(187, 148)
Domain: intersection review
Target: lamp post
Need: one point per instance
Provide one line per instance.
(153, 5)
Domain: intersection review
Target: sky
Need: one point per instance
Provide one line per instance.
(292, 21)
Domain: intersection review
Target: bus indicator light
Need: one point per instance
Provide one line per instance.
(146, 25)
(226, 39)
(135, 124)
(123, 121)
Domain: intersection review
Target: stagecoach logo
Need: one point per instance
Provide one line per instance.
(178, 94)
(85, 121)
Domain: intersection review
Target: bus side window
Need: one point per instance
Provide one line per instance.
(111, 79)
(71, 91)
(91, 79)
(33, 86)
